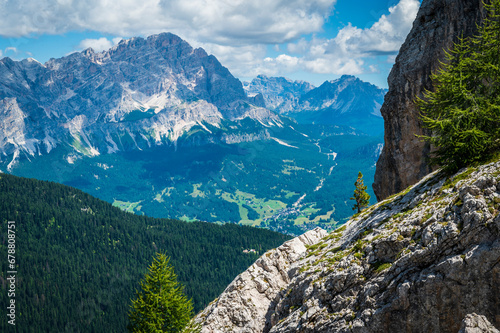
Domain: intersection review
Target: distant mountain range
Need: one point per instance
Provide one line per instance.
(346, 101)
(159, 128)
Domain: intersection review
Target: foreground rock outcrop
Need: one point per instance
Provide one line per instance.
(438, 24)
(252, 293)
(474, 323)
(426, 260)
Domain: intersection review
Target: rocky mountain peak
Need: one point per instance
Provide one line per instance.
(279, 93)
(154, 89)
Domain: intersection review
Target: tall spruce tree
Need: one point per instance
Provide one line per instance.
(161, 305)
(360, 196)
(463, 111)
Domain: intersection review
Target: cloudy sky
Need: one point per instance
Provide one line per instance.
(311, 40)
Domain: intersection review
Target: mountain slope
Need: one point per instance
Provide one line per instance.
(79, 260)
(346, 101)
(288, 179)
(425, 260)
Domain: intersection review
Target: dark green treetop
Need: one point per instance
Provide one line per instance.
(463, 111)
(360, 196)
(161, 305)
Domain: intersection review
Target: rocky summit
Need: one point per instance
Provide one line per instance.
(425, 260)
(138, 94)
(280, 94)
(439, 23)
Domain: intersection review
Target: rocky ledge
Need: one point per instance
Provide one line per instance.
(424, 260)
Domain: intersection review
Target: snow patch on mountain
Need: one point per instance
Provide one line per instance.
(284, 143)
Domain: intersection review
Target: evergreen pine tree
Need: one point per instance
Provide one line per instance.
(360, 196)
(463, 111)
(161, 305)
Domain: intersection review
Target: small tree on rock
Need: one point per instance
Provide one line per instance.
(361, 197)
(161, 305)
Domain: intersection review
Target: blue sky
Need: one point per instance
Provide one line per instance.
(311, 40)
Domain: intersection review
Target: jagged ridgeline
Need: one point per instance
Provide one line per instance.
(79, 259)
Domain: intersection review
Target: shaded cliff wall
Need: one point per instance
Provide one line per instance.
(438, 24)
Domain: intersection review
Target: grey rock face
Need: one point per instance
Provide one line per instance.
(419, 262)
(140, 93)
(437, 26)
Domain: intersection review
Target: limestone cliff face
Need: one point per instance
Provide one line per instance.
(424, 261)
(438, 23)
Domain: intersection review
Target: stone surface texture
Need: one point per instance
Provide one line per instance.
(427, 260)
(438, 24)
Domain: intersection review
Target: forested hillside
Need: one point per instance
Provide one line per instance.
(79, 259)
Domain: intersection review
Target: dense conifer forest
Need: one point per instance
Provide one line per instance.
(79, 259)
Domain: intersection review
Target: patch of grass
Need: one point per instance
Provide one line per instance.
(130, 207)
(341, 229)
(359, 245)
(337, 257)
(335, 249)
(427, 217)
(381, 266)
(452, 181)
(366, 233)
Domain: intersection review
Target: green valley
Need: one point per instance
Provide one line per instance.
(294, 178)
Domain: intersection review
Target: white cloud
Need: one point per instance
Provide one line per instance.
(97, 45)
(242, 61)
(226, 22)
(237, 32)
(12, 50)
(385, 36)
(348, 51)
